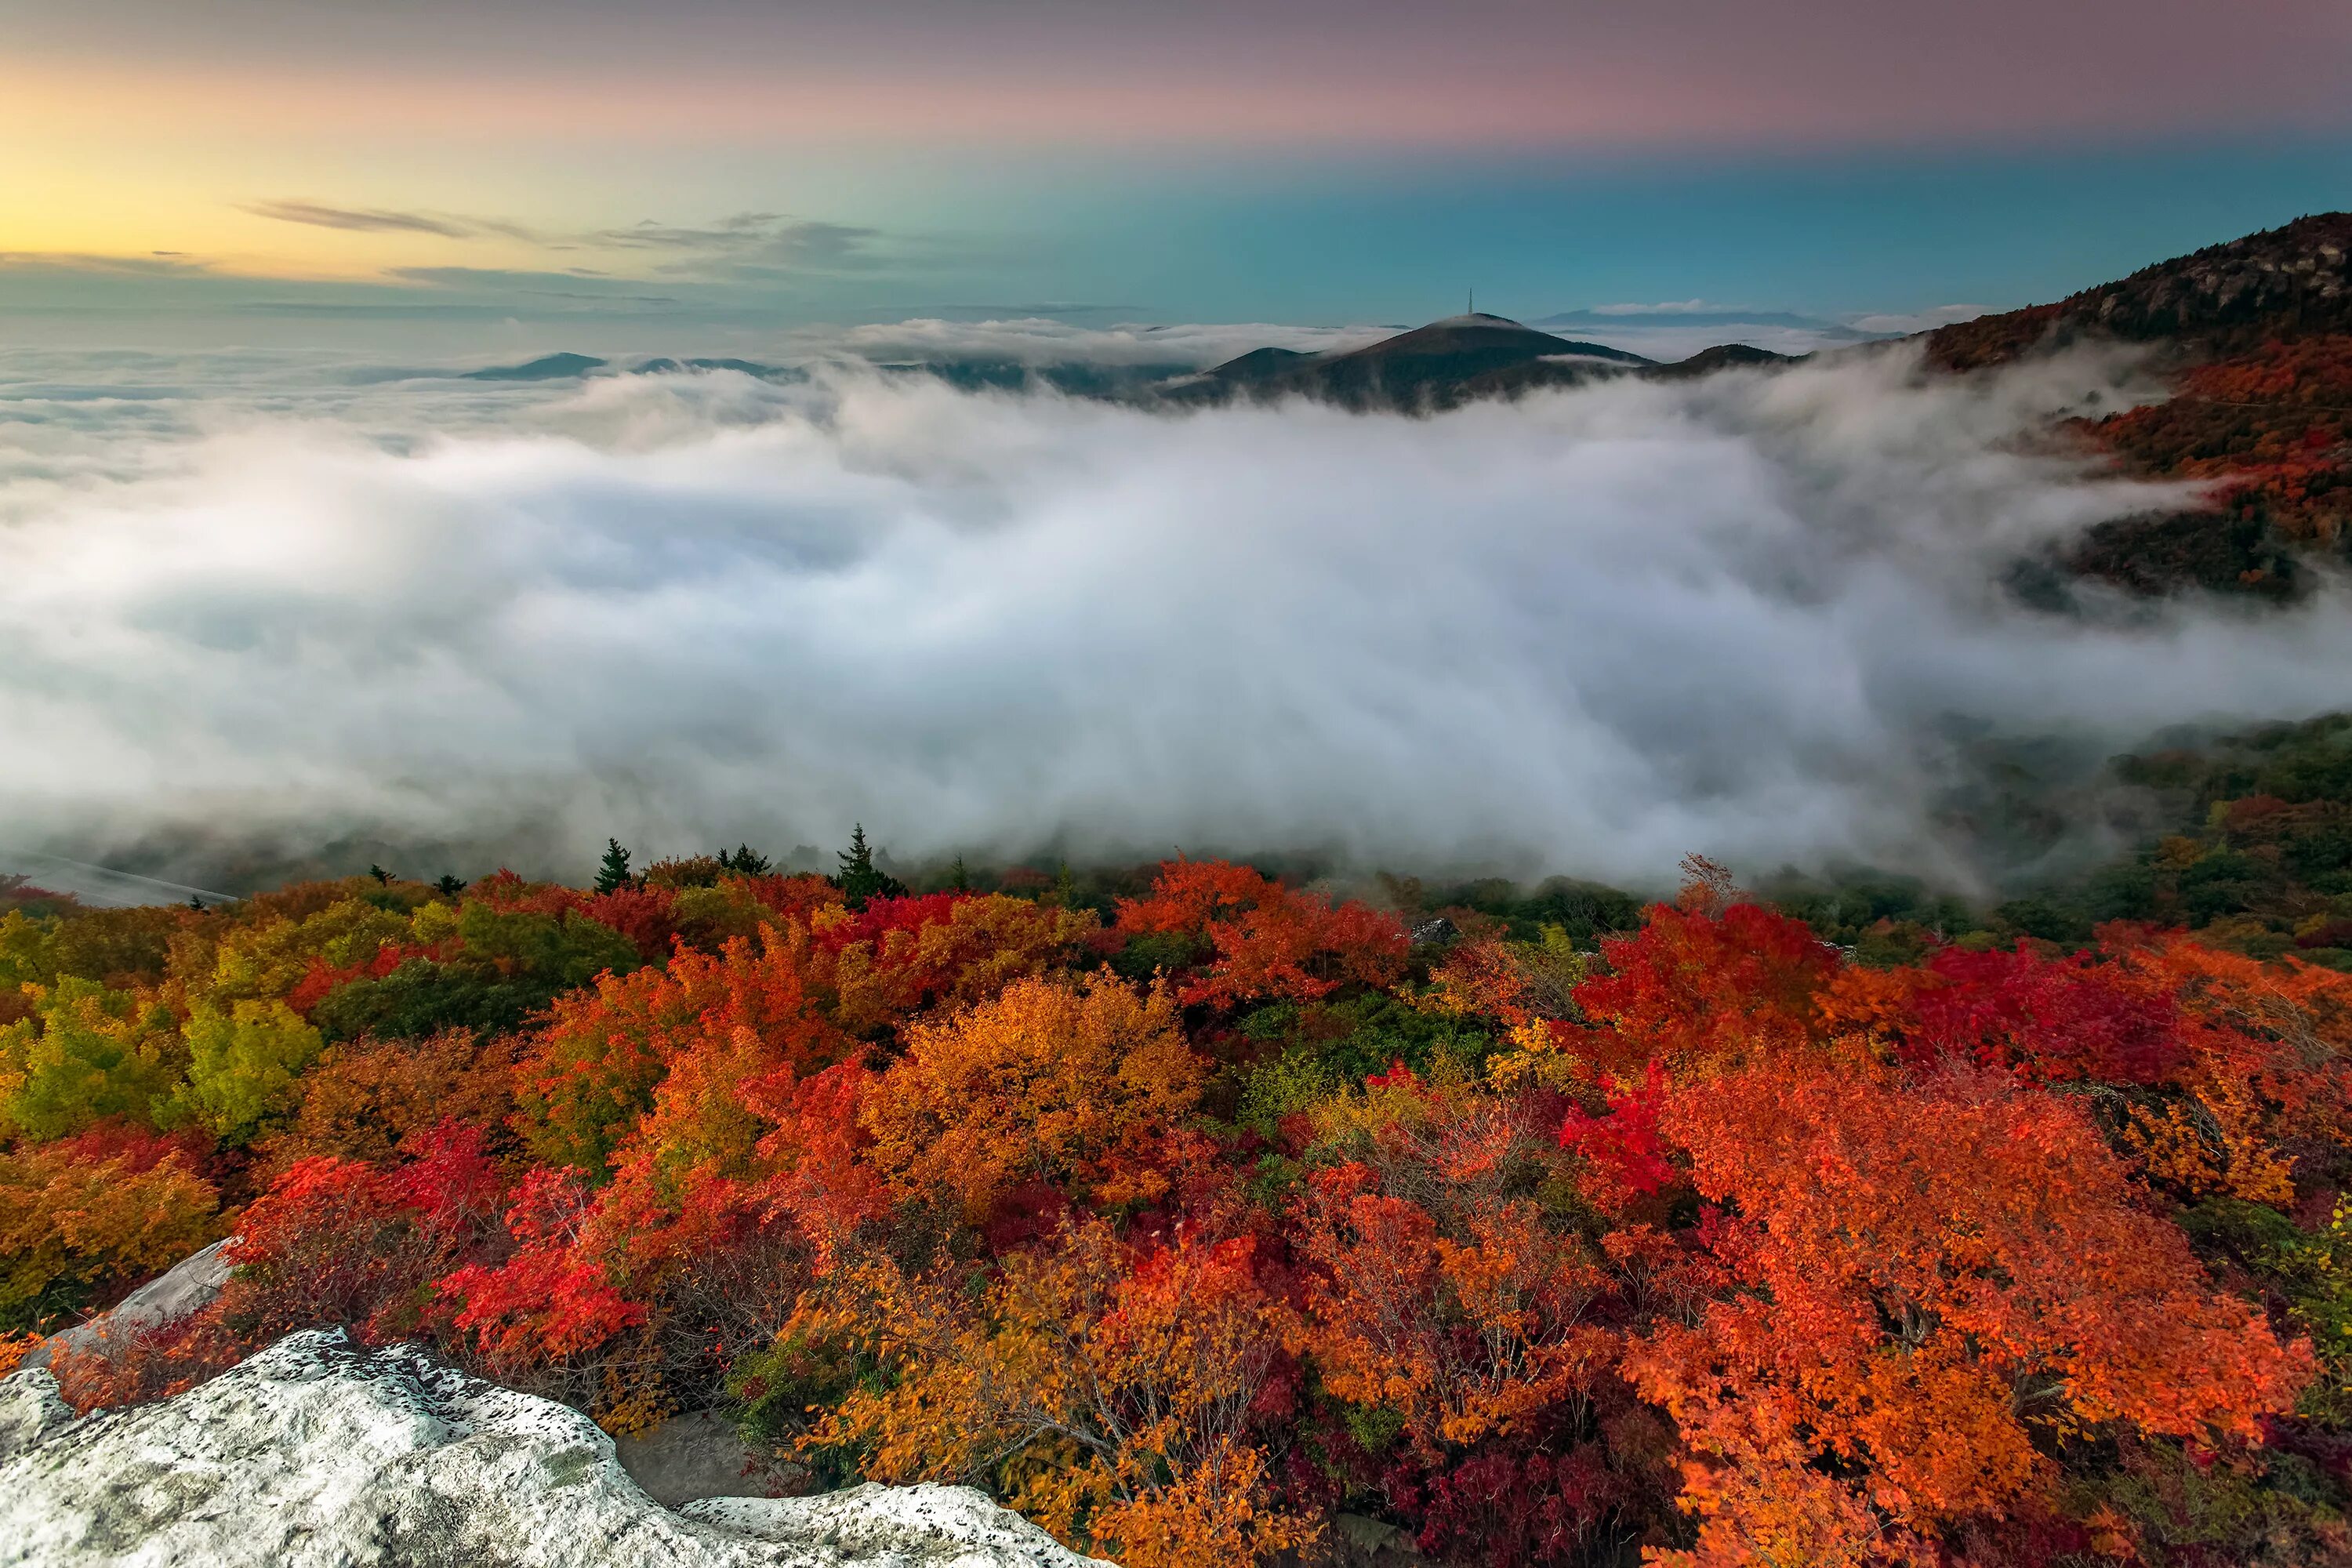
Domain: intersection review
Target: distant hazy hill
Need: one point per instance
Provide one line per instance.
(1621, 316)
(1075, 378)
(667, 367)
(1442, 365)
(548, 367)
(1723, 356)
(1435, 366)
(1259, 366)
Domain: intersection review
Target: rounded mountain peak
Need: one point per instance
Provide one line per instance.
(1482, 318)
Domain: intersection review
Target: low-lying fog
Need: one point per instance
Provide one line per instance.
(242, 603)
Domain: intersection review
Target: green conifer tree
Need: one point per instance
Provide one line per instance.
(859, 878)
(613, 875)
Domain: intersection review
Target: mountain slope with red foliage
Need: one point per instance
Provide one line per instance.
(2255, 336)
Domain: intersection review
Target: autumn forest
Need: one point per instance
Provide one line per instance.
(1187, 1210)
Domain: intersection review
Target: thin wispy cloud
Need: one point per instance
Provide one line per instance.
(1664, 308)
(757, 244)
(154, 264)
(375, 220)
(647, 234)
(565, 285)
(751, 243)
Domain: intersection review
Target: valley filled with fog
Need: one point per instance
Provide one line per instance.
(270, 599)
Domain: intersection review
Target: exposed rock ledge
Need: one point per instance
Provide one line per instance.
(314, 1454)
(188, 1287)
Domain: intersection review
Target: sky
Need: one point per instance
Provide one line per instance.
(578, 172)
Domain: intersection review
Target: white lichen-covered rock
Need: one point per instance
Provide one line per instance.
(313, 1454)
(30, 1409)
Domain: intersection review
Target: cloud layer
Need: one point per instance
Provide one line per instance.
(1586, 632)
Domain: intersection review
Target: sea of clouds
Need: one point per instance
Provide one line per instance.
(272, 600)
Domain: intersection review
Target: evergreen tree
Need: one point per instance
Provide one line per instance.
(382, 877)
(958, 879)
(856, 860)
(450, 886)
(859, 878)
(744, 862)
(613, 875)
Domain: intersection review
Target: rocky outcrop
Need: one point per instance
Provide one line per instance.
(315, 1455)
(185, 1288)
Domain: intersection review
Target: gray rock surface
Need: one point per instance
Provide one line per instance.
(315, 1455)
(29, 1411)
(689, 1457)
(188, 1287)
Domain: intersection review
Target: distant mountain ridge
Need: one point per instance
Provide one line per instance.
(2293, 283)
(1444, 364)
(547, 367)
(1456, 360)
(1076, 378)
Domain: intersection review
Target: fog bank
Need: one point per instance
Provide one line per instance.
(1587, 632)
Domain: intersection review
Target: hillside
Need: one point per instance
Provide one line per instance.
(2256, 335)
(2293, 281)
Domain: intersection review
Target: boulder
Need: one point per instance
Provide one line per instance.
(185, 1288)
(316, 1455)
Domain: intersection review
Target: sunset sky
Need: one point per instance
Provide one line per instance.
(723, 161)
